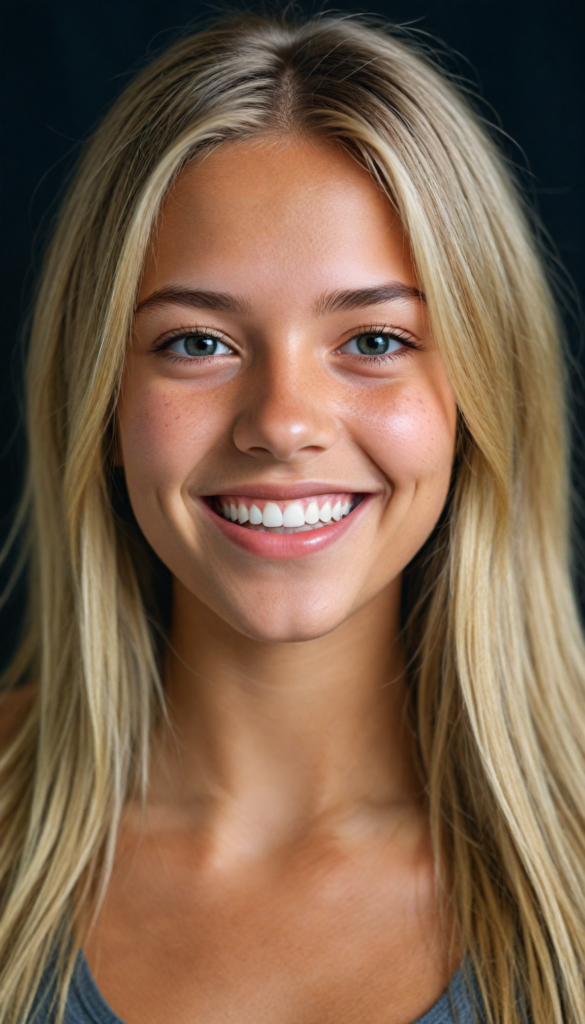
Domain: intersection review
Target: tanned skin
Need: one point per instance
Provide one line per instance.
(282, 872)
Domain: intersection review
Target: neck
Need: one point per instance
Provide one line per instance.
(270, 738)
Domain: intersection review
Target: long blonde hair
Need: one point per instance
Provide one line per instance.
(498, 666)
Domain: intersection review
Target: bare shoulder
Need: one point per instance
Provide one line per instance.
(14, 707)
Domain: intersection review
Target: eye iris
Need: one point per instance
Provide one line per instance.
(373, 344)
(200, 345)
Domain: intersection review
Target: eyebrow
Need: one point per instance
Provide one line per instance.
(328, 302)
(195, 298)
(334, 302)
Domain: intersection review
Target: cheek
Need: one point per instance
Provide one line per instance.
(411, 436)
(164, 432)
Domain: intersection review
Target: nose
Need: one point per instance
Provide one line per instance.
(284, 416)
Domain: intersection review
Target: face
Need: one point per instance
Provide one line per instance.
(286, 426)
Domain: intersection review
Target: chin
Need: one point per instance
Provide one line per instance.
(285, 622)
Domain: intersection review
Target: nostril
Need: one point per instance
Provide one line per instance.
(285, 454)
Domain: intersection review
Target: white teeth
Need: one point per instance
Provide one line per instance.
(272, 516)
(325, 513)
(293, 515)
(312, 513)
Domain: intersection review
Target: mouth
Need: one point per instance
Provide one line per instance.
(310, 518)
(299, 515)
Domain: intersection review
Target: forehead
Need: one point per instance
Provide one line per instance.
(272, 214)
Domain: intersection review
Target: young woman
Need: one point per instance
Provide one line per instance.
(301, 735)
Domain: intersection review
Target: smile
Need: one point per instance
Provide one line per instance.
(296, 516)
(309, 521)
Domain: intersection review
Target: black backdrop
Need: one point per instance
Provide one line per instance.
(63, 62)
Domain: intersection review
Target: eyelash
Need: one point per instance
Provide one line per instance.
(181, 332)
(396, 333)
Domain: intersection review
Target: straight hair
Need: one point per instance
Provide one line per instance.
(496, 656)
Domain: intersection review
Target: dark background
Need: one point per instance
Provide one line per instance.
(62, 63)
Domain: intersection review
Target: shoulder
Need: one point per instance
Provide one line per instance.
(14, 708)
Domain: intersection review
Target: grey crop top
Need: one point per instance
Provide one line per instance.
(86, 1004)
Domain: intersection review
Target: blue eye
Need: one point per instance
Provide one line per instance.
(371, 343)
(194, 345)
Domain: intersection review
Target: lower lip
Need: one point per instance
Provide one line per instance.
(286, 545)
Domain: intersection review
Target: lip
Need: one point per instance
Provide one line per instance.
(288, 492)
(282, 545)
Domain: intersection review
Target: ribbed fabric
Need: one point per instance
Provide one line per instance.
(86, 1004)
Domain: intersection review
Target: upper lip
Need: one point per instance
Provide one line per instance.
(288, 492)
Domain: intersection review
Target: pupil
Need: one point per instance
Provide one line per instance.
(198, 345)
(372, 344)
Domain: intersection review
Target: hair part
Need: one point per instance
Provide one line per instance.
(496, 650)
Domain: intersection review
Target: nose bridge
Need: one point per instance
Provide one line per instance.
(284, 410)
